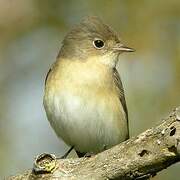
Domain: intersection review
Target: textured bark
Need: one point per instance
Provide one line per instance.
(137, 158)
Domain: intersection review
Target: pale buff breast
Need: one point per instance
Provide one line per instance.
(83, 107)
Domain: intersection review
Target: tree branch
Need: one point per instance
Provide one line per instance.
(137, 158)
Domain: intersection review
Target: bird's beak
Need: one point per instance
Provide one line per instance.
(122, 48)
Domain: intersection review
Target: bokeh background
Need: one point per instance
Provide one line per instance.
(31, 32)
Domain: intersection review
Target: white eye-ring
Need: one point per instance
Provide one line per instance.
(98, 43)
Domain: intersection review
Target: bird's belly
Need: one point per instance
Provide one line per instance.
(88, 121)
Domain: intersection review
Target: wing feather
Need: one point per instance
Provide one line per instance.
(119, 86)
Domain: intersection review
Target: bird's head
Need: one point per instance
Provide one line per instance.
(93, 38)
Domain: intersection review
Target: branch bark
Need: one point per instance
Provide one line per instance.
(140, 157)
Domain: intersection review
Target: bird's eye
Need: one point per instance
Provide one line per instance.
(98, 43)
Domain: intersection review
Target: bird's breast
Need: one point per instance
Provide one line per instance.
(84, 109)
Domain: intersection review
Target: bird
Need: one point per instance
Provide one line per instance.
(84, 98)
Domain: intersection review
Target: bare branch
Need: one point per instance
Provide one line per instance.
(138, 158)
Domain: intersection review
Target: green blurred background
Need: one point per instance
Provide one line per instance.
(31, 32)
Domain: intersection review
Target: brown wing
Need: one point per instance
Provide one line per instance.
(119, 85)
(47, 75)
(49, 72)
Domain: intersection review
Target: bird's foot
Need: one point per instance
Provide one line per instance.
(66, 154)
(89, 154)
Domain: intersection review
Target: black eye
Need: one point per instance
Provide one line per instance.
(98, 43)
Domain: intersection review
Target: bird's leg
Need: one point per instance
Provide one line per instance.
(88, 154)
(67, 153)
(80, 154)
(104, 147)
